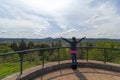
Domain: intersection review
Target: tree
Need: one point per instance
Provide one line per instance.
(96, 54)
(5, 49)
(58, 43)
(44, 46)
(22, 45)
(14, 46)
(31, 45)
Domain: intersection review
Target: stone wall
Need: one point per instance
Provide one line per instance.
(51, 67)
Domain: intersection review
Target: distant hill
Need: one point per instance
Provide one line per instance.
(100, 39)
(10, 40)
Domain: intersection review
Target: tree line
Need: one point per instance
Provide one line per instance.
(52, 55)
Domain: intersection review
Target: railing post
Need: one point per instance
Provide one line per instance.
(87, 54)
(81, 51)
(105, 55)
(21, 62)
(42, 52)
(59, 60)
(58, 56)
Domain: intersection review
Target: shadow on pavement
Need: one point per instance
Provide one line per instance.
(79, 75)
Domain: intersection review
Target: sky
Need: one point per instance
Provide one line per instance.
(56, 18)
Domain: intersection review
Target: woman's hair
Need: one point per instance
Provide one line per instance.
(73, 38)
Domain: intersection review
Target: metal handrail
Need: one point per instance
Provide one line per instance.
(39, 49)
(25, 51)
(58, 52)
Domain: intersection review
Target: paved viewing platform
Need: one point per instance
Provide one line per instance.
(91, 70)
(81, 74)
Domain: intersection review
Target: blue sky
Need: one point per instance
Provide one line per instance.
(56, 18)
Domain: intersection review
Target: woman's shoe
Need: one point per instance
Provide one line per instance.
(75, 66)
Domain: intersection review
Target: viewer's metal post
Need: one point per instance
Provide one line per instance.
(59, 60)
(21, 62)
(42, 59)
(58, 56)
(87, 54)
(105, 55)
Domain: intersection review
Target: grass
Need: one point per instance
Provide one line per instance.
(7, 69)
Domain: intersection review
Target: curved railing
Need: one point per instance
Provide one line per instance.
(27, 58)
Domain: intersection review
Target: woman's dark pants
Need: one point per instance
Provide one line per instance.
(74, 61)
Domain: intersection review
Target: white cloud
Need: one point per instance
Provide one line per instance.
(3, 31)
(44, 18)
(24, 26)
(48, 7)
(68, 33)
(13, 23)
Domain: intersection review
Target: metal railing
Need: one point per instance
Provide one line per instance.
(55, 54)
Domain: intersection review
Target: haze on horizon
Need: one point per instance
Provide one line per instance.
(56, 18)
